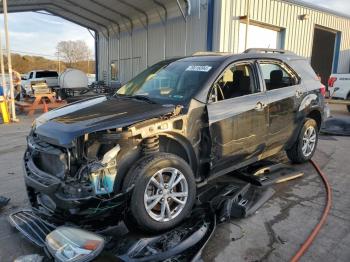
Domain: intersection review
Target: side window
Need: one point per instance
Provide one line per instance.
(237, 80)
(46, 74)
(30, 75)
(276, 76)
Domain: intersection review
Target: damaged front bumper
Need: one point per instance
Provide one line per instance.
(58, 200)
(88, 212)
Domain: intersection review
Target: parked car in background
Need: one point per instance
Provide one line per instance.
(339, 87)
(172, 128)
(39, 77)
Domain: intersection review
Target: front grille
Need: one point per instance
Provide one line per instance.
(32, 172)
(31, 226)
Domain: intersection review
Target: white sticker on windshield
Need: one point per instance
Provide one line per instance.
(198, 68)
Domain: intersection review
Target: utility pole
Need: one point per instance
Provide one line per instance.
(247, 24)
(9, 63)
(3, 79)
(59, 62)
(88, 64)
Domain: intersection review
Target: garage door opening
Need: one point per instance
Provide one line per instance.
(260, 37)
(325, 52)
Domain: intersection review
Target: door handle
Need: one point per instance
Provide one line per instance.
(298, 93)
(260, 106)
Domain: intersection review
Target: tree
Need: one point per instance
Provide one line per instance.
(26, 63)
(73, 52)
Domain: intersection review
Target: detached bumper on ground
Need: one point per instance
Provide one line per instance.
(228, 197)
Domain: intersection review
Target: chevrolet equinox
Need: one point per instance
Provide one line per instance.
(140, 154)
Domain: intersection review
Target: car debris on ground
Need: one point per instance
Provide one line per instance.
(4, 201)
(336, 126)
(30, 258)
(229, 197)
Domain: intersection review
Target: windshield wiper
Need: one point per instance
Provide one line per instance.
(139, 97)
(143, 98)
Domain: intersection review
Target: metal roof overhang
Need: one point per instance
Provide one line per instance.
(104, 15)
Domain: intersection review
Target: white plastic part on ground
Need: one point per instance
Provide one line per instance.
(30, 258)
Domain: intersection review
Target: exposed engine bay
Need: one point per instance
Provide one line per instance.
(61, 181)
(87, 168)
(83, 178)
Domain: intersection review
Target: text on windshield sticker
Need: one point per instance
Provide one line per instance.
(198, 68)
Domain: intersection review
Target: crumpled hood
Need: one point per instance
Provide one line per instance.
(64, 124)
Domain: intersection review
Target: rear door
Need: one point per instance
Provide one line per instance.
(238, 116)
(284, 93)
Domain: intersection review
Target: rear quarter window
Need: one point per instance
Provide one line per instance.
(277, 75)
(303, 69)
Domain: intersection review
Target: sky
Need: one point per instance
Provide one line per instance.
(341, 6)
(33, 33)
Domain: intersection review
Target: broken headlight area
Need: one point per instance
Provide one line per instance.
(73, 244)
(76, 181)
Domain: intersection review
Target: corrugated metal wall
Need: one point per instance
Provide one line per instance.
(298, 33)
(134, 52)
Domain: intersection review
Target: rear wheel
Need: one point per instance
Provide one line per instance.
(306, 143)
(163, 195)
(348, 99)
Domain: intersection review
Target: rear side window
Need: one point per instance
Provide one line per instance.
(304, 69)
(277, 75)
(46, 74)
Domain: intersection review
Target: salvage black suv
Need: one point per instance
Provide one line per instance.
(140, 154)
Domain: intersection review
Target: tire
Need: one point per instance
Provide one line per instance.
(298, 154)
(157, 218)
(348, 106)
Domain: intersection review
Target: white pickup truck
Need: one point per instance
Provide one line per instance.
(339, 87)
(38, 76)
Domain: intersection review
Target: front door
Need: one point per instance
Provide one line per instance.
(238, 116)
(283, 91)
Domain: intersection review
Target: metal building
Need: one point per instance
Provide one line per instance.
(133, 34)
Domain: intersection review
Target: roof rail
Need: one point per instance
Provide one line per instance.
(205, 53)
(268, 50)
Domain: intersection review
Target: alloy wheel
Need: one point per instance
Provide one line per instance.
(166, 194)
(309, 141)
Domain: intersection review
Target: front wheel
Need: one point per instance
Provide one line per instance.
(348, 99)
(163, 195)
(306, 143)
